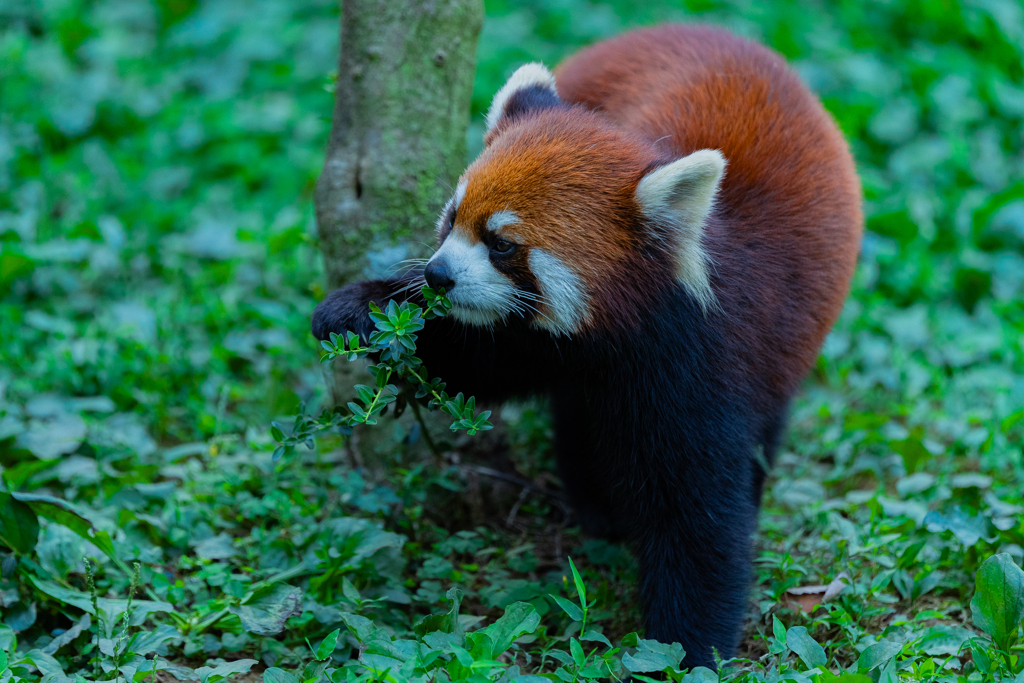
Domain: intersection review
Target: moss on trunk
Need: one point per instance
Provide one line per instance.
(397, 143)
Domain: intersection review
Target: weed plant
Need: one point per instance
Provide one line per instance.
(158, 271)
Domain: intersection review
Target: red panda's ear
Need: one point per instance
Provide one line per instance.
(531, 88)
(679, 198)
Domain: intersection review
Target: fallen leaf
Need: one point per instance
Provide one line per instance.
(807, 598)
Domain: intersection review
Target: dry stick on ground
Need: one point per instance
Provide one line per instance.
(528, 487)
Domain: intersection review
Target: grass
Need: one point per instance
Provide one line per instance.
(158, 267)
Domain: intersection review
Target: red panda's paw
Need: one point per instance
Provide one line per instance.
(348, 309)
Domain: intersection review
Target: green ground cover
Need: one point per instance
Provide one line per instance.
(158, 267)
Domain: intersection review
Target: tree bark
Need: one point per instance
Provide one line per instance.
(398, 135)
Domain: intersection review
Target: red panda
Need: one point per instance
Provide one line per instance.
(658, 237)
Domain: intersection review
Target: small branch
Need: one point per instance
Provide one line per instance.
(426, 432)
(513, 479)
(376, 398)
(556, 496)
(511, 519)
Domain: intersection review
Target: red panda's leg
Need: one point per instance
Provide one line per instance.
(774, 427)
(692, 537)
(587, 481)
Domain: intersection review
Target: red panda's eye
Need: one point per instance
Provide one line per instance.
(502, 246)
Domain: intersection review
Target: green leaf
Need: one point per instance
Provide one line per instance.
(800, 642)
(349, 591)
(592, 635)
(980, 657)
(47, 665)
(312, 672)
(64, 513)
(829, 677)
(453, 625)
(266, 615)
(913, 452)
(361, 627)
(276, 432)
(8, 641)
(326, 648)
(653, 656)
(145, 642)
(997, 607)
(365, 394)
(12, 266)
(431, 623)
(19, 527)
(465, 659)
(110, 607)
(779, 630)
(966, 528)
(878, 654)
(519, 618)
(578, 656)
(276, 675)
(226, 670)
(573, 610)
(581, 589)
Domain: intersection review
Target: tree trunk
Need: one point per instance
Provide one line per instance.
(398, 136)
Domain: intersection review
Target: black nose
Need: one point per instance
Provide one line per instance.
(437, 275)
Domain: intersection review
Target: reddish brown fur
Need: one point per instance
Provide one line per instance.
(570, 177)
(784, 235)
(786, 231)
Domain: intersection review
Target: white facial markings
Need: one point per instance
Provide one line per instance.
(460, 193)
(499, 219)
(481, 295)
(567, 306)
(456, 200)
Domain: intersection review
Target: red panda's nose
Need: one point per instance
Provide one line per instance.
(436, 274)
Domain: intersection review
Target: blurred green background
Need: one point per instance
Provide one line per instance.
(158, 266)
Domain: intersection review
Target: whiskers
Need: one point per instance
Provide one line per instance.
(483, 304)
(531, 301)
(406, 265)
(408, 284)
(504, 301)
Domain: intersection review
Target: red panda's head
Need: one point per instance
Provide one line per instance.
(568, 221)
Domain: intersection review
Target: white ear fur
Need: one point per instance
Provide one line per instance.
(525, 76)
(680, 196)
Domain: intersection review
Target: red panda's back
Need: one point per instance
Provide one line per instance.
(786, 230)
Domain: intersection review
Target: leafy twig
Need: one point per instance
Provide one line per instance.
(395, 342)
